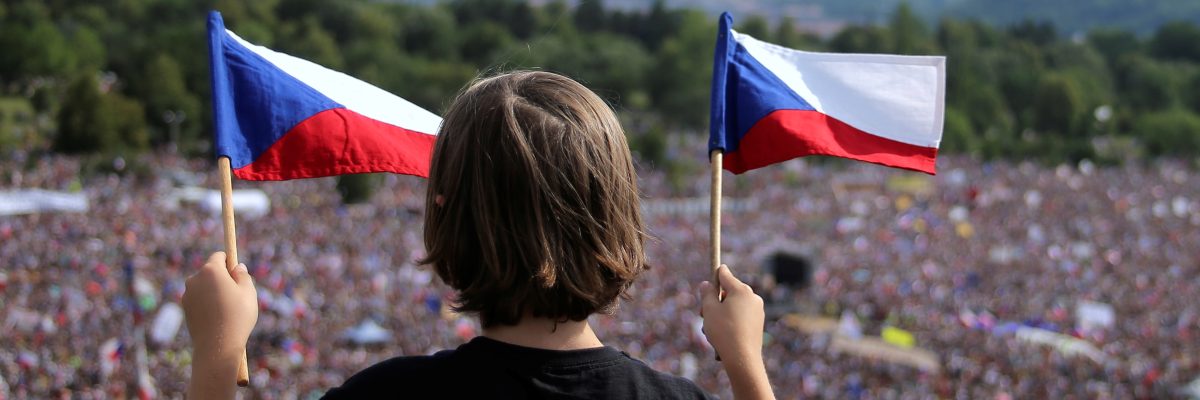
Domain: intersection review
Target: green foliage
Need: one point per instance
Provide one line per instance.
(908, 33)
(590, 16)
(860, 39)
(309, 40)
(429, 32)
(169, 106)
(682, 72)
(787, 35)
(1014, 90)
(757, 26)
(16, 121)
(1058, 105)
(1192, 94)
(1039, 33)
(91, 121)
(82, 127)
(481, 42)
(650, 145)
(1148, 84)
(958, 136)
(32, 45)
(1177, 41)
(1114, 44)
(357, 188)
(1174, 132)
(613, 66)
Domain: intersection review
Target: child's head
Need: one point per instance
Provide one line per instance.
(532, 205)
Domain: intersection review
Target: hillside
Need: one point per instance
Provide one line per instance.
(1070, 16)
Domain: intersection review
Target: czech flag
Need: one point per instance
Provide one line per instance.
(772, 104)
(280, 117)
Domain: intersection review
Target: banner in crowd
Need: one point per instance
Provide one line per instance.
(166, 324)
(898, 337)
(1064, 344)
(875, 348)
(34, 201)
(1092, 315)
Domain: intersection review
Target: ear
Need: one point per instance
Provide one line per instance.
(439, 200)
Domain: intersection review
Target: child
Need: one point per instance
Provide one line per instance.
(532, 216)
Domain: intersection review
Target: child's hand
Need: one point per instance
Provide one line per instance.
(734, 328)
(221, 308)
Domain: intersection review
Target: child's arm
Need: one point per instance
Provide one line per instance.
(734, 327)
(221, 309)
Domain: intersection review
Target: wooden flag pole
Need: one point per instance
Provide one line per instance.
(715, 217)
(231, 258)
(714, 224)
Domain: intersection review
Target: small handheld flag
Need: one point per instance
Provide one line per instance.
(280, 117)
(772, 104)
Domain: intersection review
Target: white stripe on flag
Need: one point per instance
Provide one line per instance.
(356, 95)
(896, 97)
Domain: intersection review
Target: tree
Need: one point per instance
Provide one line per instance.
(613, 66)
(860, 39)
(1192, 93)
(481, 41)
(90, 121)
(1177, 40)
(308, 40)
(589, 16)
(908, 32)
(1086, 67)
(127, 121)
(1114, 44)
(357, 188)
(1019, 67)
(1172, 132)
(252, 20)
(166, 96)
(32, 45)
(1039, 33)
(1058, 105)
(787, 35)
(430, 32)
(659, 24)
(756, 26)
(958, 135)
(82, 126)
(683, 70)
(1147, 84)
(88, 49)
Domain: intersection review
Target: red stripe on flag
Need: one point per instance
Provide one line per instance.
(786, 134)
(340, 141)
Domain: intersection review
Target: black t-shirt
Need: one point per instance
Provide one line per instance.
(488, 369)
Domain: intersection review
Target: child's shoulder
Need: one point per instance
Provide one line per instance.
(408, 375)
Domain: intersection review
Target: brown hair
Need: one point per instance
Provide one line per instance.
(539, 201)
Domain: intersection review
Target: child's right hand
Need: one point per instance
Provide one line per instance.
(734, 328)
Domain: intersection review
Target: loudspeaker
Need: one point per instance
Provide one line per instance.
(789, 269)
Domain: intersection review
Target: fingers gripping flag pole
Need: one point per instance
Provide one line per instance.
(278, 117)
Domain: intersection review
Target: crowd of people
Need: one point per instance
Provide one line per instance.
(1002, 242)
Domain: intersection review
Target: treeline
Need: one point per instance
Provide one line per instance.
(126, 75)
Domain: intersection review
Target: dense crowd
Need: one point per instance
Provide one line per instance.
(1016, 242)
